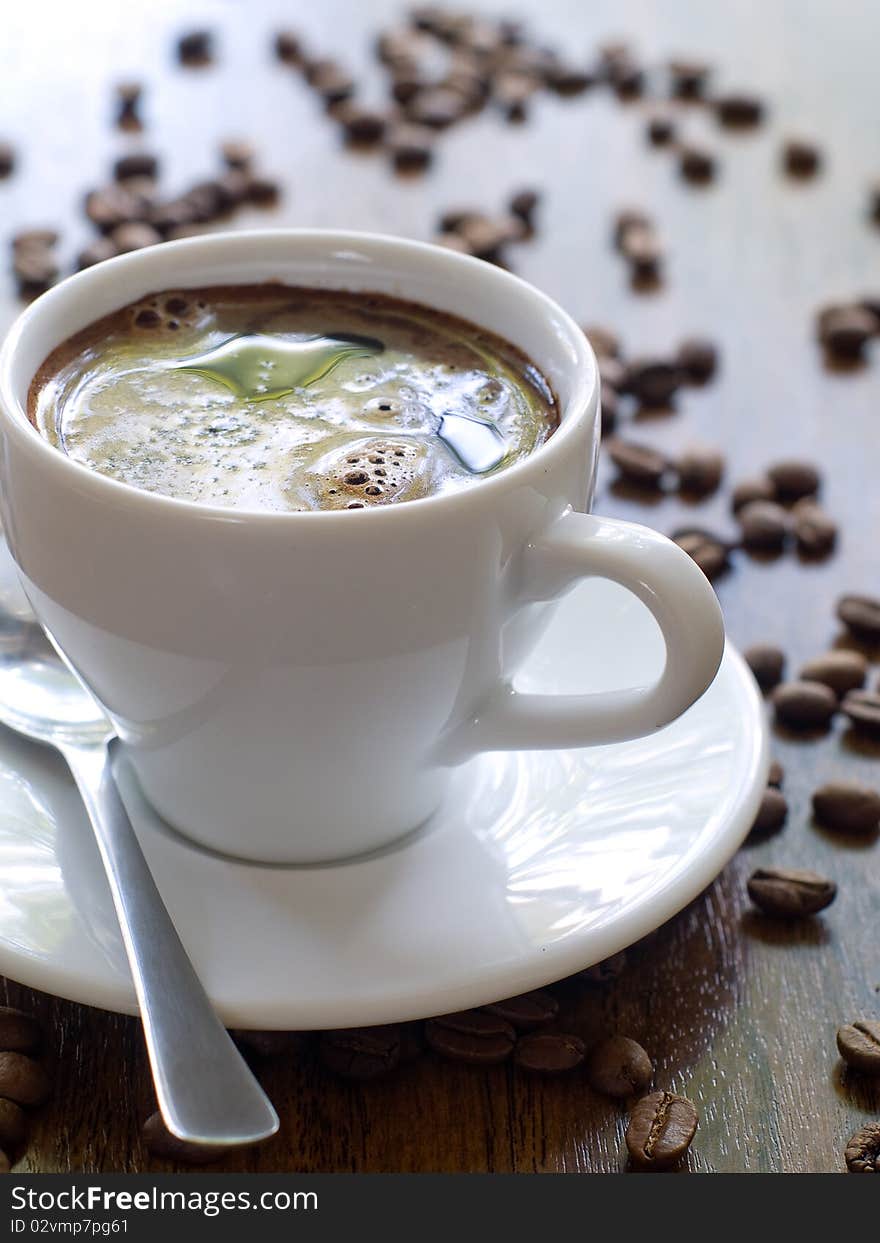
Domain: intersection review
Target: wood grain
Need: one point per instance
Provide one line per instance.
(737, 1012)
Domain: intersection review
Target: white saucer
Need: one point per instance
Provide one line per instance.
(540, 863)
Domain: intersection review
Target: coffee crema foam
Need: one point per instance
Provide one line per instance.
(269, 397)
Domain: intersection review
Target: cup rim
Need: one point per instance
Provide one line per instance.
(581, 405)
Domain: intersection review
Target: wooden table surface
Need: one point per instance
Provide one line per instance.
(738, 1013)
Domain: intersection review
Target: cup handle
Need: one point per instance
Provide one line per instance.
(664, 577)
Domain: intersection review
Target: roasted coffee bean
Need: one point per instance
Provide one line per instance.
(437, 108)
(237, 153)
(361, 1052)
(660, 1129)
(511, 93)
(861, 616)
(700, 470)
(405, 86)
(486, 236)
(815, 531)
(776, 774)
(625, 220)
(134, 236)
(35, 269)
(19, 1032)
(709, 552)
(161, 1143)
(643, 250)
(862, 709)
(759, 489)
(696, 164)
(801, 158)
(263, 191)
(604, 972)
(137, 164)
(844, 331)
(549, 1053)
(689, 78)
(7, 158)
(523, 206)
(790, 894)
(528, 1011)
(637, 463)
(660, 131)
(605, 343)
(859, 1045)
(362, 126)
(697, 360)
(22, 1079)
(862, 1153)
(271, 1043)
(471, 1036)
(411, 147)
(619, 1067)
(611, 371)
(452, 241)
(128, 102)
(763, 525)
(794, 480)
(653, 381)
(235, 188)
(610, 408)
(13, 1125)
(114, 205)
(627, 79)
(841, 669)
(44, 238)
(767, 663)
(566, 80)
(739, 109)
(772, 813)
(196, 47)
(804, 705)
(288, 47)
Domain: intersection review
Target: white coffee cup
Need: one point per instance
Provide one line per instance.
(296, 686)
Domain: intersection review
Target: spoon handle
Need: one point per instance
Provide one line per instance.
(205, 1091)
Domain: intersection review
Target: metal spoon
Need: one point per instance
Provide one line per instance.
(206, 1092)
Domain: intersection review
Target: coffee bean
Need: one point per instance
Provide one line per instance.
(696, 164)
(790, 894)
(471, 1036)
(627, 79)
(22, 1079)
(759, 489)
(196, 47)
(549, 1053)
(610, 408)
(653, 381)
(709, 552)
(815, 531)
(41, 238)
(739, 109)
(134, 236)
(604, 972)
(841, 669)
(862, 1154)
(13, 1125)
(161, 1143)
(804, 705)
(486, 236)
(700, 470)
(35, 269)
(288, 48)
(263, 191)
(763, 525)
(566, 80)
(605, 343)
(801, 158)
(619, 1067)
(844, 331)
(452, 241)
(861, 616)
(527, 1011)
(612, 371)
(362, 126)
(767, 663)
(271, 1043)
(237, 153)
(660, 1129)
(114, 205)
(862, 709)
(776, 774)
(794, 479)
(642, 249)
(660, 131)
(637, 463)
(772, 813)
(137, 164)
(437, 108)
(511, 93)
(625, 220)
(411, 147)
(360, 1052)
(332, 82)
(697, 360)
(405, 86)
(859, 1045)
(128, 102)
(19, 1032)
(523, 206)
(689, 78)
(7, 159)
